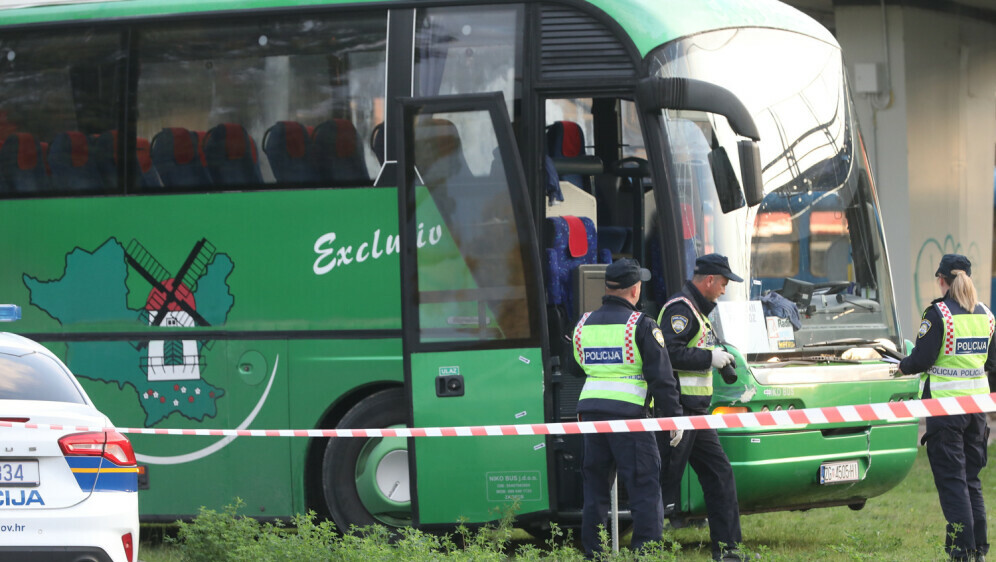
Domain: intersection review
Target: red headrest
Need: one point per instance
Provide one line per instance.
(571, 146)
(235, 141)
(27, 151)
(142, 153)
(577, 236)
(345, 139)
(294, 139)
(78, 148)
(183, 145)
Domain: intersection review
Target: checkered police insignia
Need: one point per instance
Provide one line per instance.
(924, 327)
(678, 323)
(659, 336)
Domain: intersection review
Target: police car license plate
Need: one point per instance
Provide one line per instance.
(838, 472)
(19, 473)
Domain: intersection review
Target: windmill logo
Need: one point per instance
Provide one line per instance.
(171, 304)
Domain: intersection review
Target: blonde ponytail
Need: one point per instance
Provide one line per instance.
(963, 291)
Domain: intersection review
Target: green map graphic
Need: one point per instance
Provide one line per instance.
(92, 290)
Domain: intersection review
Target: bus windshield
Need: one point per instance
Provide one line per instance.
(816, 238)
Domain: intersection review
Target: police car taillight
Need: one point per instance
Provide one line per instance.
(108, 444)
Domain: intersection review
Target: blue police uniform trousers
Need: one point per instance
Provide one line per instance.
(700, 448)
(635, 458)
(956, 449)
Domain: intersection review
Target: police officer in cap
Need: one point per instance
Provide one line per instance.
(622, 353)
(953, 352)
(692, 348)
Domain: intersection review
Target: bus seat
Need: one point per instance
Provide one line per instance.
(572, 241)
(104, 151)
(73, 165)
(286, 145)
(655, 258)
(231, 155)
(146, 171)
(22, 165)
(565, 141)
(377, 142)
(439, 153)
(105, 154)
(175, 154)
(337, 154)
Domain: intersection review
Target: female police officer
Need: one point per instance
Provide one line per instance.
(953, 351)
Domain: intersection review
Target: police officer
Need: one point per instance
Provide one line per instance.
(622, 353)
(953, 351)
(691, 346)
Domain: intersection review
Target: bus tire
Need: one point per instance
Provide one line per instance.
(857, 506)
(365, 480)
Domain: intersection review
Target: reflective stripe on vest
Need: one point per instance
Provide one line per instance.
(613, 364)
(694, 383)
(958, 370)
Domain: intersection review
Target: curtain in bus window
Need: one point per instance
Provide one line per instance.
(59, 107)
(470, 271)
(274, 102)
(470, 50)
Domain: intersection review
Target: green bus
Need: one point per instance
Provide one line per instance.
(322, 214)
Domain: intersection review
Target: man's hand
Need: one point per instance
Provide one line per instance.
(676, 435)
(720, 358)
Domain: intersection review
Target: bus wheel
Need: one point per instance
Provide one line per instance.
(857, 506)
(365, 481)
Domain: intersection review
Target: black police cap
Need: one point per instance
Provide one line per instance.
(715, 264)
(624, 273)
(951, 262)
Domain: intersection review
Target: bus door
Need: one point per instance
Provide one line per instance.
(472, 311)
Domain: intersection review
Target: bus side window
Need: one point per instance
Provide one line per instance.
(54, 108)
(470, 50)
(305, 90)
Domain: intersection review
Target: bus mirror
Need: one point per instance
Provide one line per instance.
(750, 170)
(655, 94)
(727, 186)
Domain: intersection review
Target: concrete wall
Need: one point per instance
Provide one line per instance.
(931, 142)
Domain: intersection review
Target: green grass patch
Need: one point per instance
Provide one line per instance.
(903, 524)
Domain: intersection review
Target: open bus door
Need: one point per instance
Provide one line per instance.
(471, 311)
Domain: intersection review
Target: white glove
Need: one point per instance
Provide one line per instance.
(720, 358)
(676, 435)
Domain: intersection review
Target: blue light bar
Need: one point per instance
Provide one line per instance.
(9, 312)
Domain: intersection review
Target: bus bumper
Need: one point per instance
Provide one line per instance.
(781, 470)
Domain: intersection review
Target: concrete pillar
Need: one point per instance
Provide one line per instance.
(931, 137)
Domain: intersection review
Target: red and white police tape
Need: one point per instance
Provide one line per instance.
(890, 411)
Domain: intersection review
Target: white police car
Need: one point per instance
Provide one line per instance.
(65, 494)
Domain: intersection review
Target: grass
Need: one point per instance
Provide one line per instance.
(903, 524)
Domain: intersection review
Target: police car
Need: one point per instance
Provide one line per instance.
(65, 494)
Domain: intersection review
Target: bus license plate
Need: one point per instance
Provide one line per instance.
(837, 472)
(18, 473)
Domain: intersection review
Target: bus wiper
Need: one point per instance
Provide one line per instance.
(882, 350)
(843, 341)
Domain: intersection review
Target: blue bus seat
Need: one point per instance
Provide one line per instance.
(22, 164)
(565, 141)
(73, 166)
(286, 145)
(572, 241)
(105, 154)
(147, 171)
(337, 154)
(176, 156)
(231, 156)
